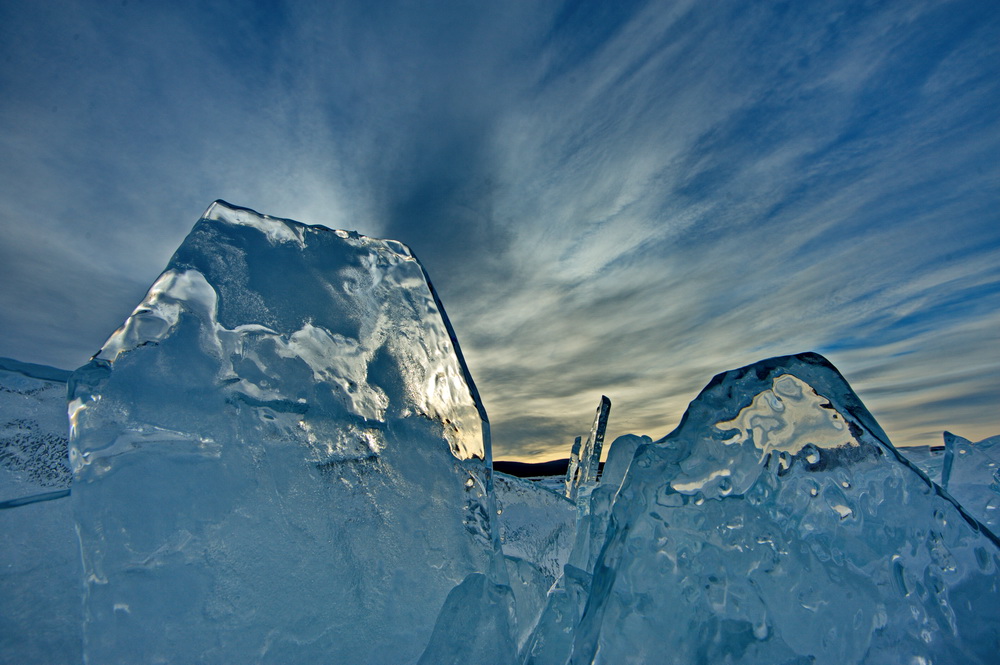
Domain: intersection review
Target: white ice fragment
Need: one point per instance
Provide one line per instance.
(173, 292)
(788, 417)
(842, 510)
(699, 484)
(276, 230)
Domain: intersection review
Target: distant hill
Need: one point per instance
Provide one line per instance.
(556, 467)
(34, 371)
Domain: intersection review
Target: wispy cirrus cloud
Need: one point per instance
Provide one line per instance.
(622, 199)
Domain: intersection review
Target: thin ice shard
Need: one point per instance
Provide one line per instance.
(551, 636)
(595, 442)
(590, 455)
(950, 444)
(280, 456)
(573, 468)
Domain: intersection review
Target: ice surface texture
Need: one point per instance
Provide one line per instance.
(536, 533)
(928, 459)
(280, 456)
(474, 626)
(40, 613)
(34, 458)
(777, 524)
(536, 524)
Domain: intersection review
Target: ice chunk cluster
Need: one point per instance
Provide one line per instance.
(551, 637)
(280, 456)
(40, 611)
(777, 524)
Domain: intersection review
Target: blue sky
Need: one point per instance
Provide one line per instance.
(621, 198)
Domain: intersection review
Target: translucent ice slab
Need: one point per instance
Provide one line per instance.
(280, 456)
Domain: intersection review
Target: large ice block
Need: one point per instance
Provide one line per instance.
(280, 456)
(777, 524)
(40, 576)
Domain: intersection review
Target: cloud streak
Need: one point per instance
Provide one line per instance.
(620, 200)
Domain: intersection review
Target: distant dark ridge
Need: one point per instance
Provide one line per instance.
(556, 467)
(34, 498)
(34, 371)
